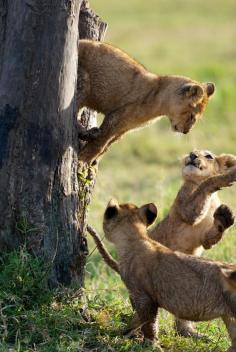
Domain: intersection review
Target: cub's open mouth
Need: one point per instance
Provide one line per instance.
(194, 163)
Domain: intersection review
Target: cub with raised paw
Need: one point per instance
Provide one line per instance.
(197, 219)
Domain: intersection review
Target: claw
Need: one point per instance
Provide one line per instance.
(89, 135)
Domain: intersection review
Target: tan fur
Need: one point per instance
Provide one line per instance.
(189, 287)
(129, 96)
(197, 219)
(193, 223)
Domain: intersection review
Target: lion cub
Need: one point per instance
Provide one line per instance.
(197, 219)
(129, 96)
(189, 287)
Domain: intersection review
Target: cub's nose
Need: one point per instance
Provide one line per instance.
(192, 156)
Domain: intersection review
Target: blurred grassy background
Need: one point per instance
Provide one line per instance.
(185, 37)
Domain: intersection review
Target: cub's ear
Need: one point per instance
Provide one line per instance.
(229, 276)
(210, 88)
(226, 161)
(192, 90)
(112, 209)
(148, 213)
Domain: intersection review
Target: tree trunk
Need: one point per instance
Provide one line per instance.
(43, 202)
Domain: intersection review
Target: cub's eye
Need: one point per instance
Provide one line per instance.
(209, 156)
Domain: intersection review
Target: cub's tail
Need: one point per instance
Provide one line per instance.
(102, 250)
(229, 277)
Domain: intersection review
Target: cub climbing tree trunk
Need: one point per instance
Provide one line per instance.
(42, 200)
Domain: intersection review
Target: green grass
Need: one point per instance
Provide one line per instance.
(187, 37)
(34, 318)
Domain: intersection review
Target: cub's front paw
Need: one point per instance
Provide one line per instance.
(89, 135)
(225, 217)
(230, 177)
(88, 154)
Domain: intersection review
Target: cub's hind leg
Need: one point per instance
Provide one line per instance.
(186, 328)
(147, 312)
(231, 327)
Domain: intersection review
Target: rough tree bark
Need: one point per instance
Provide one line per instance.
(42, 200)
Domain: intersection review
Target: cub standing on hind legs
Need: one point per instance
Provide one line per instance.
(197, 218)
(129, 96)
(189, 287)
